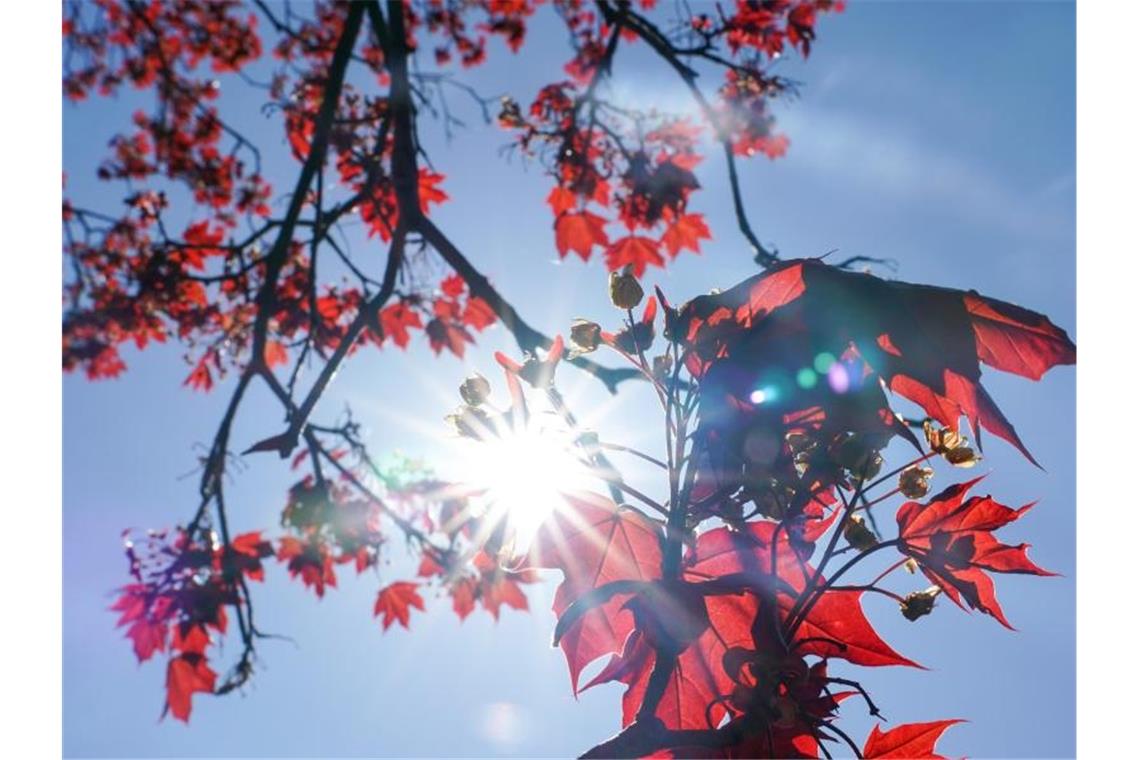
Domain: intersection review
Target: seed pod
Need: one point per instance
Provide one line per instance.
(963, 456)
(914, 482)
(919, 603)
(857, 533)
(585, 335)
(475, 389)
(941, 440)
(625, 290)
(470, 422)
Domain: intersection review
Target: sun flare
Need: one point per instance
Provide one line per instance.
(522, 474)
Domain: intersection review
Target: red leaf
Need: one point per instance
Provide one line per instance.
(501, 590)
(580, 232)
(448, 335)
(429, 192)
(1017, 340)
(463, 597)
(561, 200)
(275, 354)
(147, 638)
(394, 602)
(910, 740)
(478, 314)
(396, 319)
(593, 542)
(453, 286)
(952, 540)
(636, 251)
(686, 233)
(185, 675)
(837, 615)
(923, 342)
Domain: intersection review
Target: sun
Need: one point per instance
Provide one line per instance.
(522, 474)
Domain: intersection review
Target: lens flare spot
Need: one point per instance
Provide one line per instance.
(838, 379)
(823, 362)
(806, 378)
(758, 396)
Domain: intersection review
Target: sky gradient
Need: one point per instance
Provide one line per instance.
(940, 135)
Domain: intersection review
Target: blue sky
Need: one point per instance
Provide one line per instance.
(937, 134)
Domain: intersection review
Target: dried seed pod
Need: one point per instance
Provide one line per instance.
(625, 290)
(475, 389)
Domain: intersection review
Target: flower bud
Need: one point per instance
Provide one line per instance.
(910, 565)
(914, 482)
(661, 366)
(919, 603)
(857, 533)
(625, 290)
(585, 335)
(475, 390)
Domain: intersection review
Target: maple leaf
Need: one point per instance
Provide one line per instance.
(147, 638)
(698, 678)
(275, 354)
(248, 550)
(453, 286)
(311, 560)
(593, 541)
(952, 540)
(910, 740)
(635, 251)
(500, 589)
(463, 597)
(478, 314)
(448, 335)
(429, 190)
(394, 602)
(686, 233)
(924, 342)
(561, 200)
(395, 320)
(836, 616)
(579, 232)
(185, 675)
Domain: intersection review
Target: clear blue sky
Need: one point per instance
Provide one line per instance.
(937, 134)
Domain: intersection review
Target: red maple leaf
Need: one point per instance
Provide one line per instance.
(924, 342)
(836, 616)
(394, 602)
(429, 190)
(579, 232)
(910, 740)
(248, 550)
(478, 314)
(275, 354)
(686, 233)
(185, 675)
(499, 589)
(952, 540)
(396, 319)
(593, 542)
(636, 251)
(453, 286)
